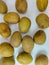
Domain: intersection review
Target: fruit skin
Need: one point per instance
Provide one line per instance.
(42, 20)
(6, 50)
(27, 43)
(5, 31)
(3, 7)
(16, 39)
(24, 24)
(42, 5)
(24, 58)
(21, 6)
(39, 37)
(41, 60)
(11, 18)
(7, 61)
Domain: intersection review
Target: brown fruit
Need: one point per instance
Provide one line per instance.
(24, 58)
(24, 24)
(41, 60)
(11, 17)
(21, 6)
(3, 7)
(42, 4)
(6, 50)
(4, 30)
(16, 39)
(27, 43)
(42, 20)
(7, 61)
(40, 37)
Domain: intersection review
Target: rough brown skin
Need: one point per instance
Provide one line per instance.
(6, 50)
(27, 43)
(3, 7)
(39, 37)
(41, 60)
(7, 61)
(24, 24)
(5, 31)
(42, 5)
(21, 6)
(16, 39)
(24, 58)
(42, 20)
(11, 18)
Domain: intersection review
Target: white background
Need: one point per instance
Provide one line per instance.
(32, 12)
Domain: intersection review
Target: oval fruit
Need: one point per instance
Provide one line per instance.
(40, 37)
(24, 58)
(16, 39)
(42, 4)
(4, 30)
(42, 20)
(27, 43)
(21, 6)
(24, 24)
(41, 60)
(7, 61)
(3, 7)
(6, 50)
(11, 17)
